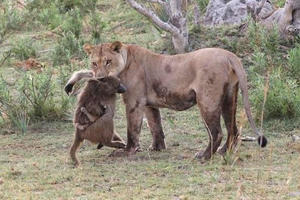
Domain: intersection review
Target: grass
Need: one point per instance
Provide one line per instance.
(37, 166)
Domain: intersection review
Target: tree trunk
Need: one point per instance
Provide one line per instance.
(196, 14)
(180, 43)
(177, 10)
(177, 23)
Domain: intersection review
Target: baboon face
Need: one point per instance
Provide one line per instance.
(105, 86)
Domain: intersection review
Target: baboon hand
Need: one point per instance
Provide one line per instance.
(68, 88)
(83, 109)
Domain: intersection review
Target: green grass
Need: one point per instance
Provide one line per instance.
(37, 166)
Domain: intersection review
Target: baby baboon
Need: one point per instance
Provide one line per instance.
(93, 118)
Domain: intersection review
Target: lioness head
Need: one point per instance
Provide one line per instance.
(107, 59)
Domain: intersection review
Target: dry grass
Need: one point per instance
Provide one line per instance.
(37, 166)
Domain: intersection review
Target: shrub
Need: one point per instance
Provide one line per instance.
(283, 98)
(34, 97)
(44, 95)
(23, 49)
(261, 39)
(294, 62)
(72, 22)
(64, 5)
(68, 47)
(84, 6)
(10, 20)
(49, 16)
(13, 109)
(202, 5)
(284, 93)
(38, 90)
(97, 26)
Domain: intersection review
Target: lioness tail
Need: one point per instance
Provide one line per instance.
(237, 66)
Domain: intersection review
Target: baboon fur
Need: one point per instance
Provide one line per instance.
(98, 98)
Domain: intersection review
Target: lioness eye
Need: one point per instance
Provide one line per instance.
(108, 62)
(94, 64)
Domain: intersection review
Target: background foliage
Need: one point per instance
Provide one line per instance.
(55, 32)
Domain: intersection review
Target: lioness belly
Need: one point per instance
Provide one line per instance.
(173, 100)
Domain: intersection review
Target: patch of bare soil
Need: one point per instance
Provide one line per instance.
(30, 64)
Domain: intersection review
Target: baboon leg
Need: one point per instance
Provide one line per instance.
(117, 137)
(229, 116)
(154, 122)
(100, 145)
(116, 144)
(74, 147)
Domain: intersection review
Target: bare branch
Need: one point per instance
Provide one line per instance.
(156, 1)
(196, 14)
(261, 5)
(153, 17)
(4, 59)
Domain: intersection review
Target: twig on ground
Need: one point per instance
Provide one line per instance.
(5, 58)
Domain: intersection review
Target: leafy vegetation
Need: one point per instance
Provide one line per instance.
(23, 49)
(66, 25)
(33, 103)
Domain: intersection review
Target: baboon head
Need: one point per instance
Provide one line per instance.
(107, 59)
(108, 85)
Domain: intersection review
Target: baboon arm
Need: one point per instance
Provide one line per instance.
(108, 114)
(77, 76)
(92, 118)
(81, 126)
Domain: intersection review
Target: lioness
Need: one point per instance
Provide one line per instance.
(207, 77)
(93, 117)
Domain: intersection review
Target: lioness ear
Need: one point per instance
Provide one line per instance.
(116, 46)
(88, 48)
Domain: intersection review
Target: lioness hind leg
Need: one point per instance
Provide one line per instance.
(210, 106)
(213, 126)
(74, 147)
(229, 115)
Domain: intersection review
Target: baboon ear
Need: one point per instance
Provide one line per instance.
(91, 80)
(102, 79)
(88, 48)
(116, 46)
